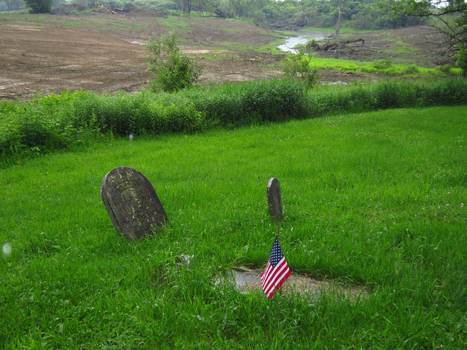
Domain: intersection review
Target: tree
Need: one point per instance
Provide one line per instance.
(11, 5)
(449, 17)
(339, 16)
(184, 5)
(173, 70)
(39, 6)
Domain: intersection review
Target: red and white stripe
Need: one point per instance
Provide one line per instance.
(273, 277)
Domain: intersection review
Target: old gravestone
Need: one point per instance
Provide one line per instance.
(274, 199)
(131, 202)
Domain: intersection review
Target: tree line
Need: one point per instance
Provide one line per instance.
(360, 14)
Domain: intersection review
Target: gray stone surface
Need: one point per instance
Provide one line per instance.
(132, 203)
(274, 199)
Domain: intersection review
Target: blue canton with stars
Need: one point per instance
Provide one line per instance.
(276, 254)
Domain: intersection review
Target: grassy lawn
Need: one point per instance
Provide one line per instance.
(375, 199)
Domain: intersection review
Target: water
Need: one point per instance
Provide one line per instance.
(303, 38)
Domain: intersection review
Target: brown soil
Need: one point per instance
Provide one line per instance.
(50, 58)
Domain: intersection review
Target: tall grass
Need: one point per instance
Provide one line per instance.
(60, 121)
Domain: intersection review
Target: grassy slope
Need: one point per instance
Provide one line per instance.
(374, 198)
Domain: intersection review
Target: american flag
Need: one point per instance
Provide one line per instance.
(276, 271)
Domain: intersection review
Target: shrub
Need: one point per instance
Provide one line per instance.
(445, 68)
(462, 60)
(299, 67)
(411, 69)
(382, 64)
(173, 70)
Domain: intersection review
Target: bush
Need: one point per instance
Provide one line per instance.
(462, 60)
(299, 67)
(382, 64)
(445, 68)
(173, 70)
(39, 6)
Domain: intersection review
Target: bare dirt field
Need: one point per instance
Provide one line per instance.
(44, 54)
(106, 53)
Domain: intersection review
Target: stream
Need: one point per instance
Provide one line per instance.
(302, 38)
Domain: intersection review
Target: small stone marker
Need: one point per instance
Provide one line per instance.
(274, 199)
(131, 202)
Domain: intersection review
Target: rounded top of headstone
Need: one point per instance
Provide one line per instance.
(131, 202)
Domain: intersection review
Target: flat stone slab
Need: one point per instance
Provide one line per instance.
(247, 281)
(132, 203)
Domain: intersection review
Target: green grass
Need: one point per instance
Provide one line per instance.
(129, 26)
(399, 47)
(177, 24)
(409, 70)
(42, 19)
(376, 199)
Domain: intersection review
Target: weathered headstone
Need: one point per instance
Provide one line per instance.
(132, 203)
(274, 199)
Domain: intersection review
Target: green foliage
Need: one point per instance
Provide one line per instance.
(300, 67)
(249, 103)
(382, 64)
(363, 14)
(173, 70)
(39, 6)
(450, 17)
(462, 60)
(445, 68)
(72, 119)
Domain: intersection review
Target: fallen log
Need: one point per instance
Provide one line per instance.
(334, 45)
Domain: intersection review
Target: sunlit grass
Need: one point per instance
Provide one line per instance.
(376, 199)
